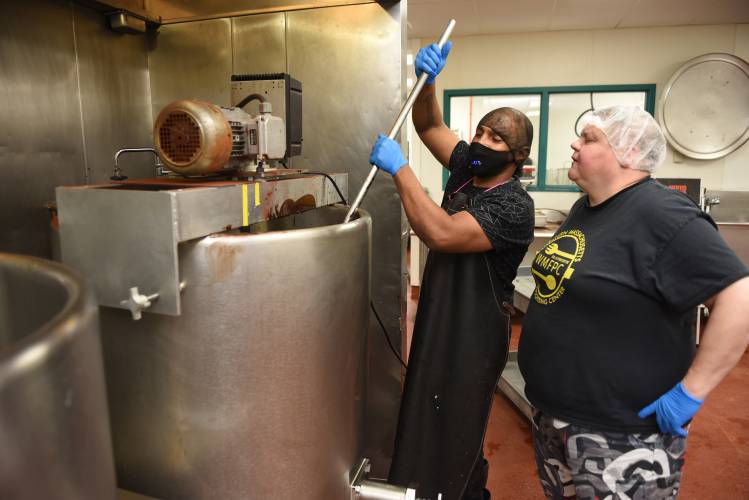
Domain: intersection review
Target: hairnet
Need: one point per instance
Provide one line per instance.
(633, 134)
(514, 128)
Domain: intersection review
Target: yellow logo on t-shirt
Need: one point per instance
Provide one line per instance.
(553, 265)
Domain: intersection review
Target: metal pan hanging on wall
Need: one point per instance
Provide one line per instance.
(704, 109)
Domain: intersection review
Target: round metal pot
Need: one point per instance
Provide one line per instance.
(54, 427)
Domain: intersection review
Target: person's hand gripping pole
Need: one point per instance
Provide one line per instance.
(430, 60)
(401, 118)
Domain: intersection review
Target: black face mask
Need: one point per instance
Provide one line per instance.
(485, 162)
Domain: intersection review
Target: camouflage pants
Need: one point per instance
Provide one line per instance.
(578, 462)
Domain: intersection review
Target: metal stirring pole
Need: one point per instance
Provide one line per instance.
(398, 122)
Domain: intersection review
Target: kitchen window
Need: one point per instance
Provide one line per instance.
(555, 113)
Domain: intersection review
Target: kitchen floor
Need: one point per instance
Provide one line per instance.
(717, 466)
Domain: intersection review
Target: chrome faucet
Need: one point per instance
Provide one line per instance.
(706, 202)
(118, 176)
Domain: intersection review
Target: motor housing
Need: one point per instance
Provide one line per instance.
(195, 137)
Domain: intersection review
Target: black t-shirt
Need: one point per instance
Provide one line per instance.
(608, 329)
(505, 213)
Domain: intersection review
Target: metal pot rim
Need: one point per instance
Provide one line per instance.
(37, 346)
(364, 218)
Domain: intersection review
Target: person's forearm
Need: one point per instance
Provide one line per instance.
(428, 220)
(426, 112)
(723, 342)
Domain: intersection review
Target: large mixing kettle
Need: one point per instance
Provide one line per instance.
(54, 425)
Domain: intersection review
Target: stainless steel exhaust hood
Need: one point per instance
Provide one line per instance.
(175, 11)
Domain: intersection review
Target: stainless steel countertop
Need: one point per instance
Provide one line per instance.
(524, 286)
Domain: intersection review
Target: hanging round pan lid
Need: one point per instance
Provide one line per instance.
(704, 109)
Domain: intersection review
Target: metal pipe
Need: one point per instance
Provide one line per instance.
(363, 489)
(371, 490)
(118, 172)
(398, 122)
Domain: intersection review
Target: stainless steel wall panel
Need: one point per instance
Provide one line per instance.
(259, 43)
(115, 96)
(41, 142)
(733, 206)
(191, 61)
(737, 239)
(349, 60)
(71, 91)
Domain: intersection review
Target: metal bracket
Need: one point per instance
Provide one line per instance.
(125, 22)
(127, 233)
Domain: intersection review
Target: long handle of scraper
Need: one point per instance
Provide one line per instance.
(398, 122)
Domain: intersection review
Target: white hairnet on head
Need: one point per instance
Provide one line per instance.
(633, 134)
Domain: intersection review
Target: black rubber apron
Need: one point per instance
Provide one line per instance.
(459, 349)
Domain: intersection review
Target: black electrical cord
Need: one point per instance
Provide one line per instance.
(244, 102)
(310, 172)
(371, 304)
(387, 337)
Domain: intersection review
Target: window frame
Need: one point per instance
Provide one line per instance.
(544, 93)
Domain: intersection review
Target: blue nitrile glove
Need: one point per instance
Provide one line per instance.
(386, 155)
(431, 59)
(673, 410)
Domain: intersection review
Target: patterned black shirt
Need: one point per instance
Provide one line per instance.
(505, 213)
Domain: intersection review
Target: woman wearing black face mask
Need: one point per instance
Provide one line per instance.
(477, 239)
